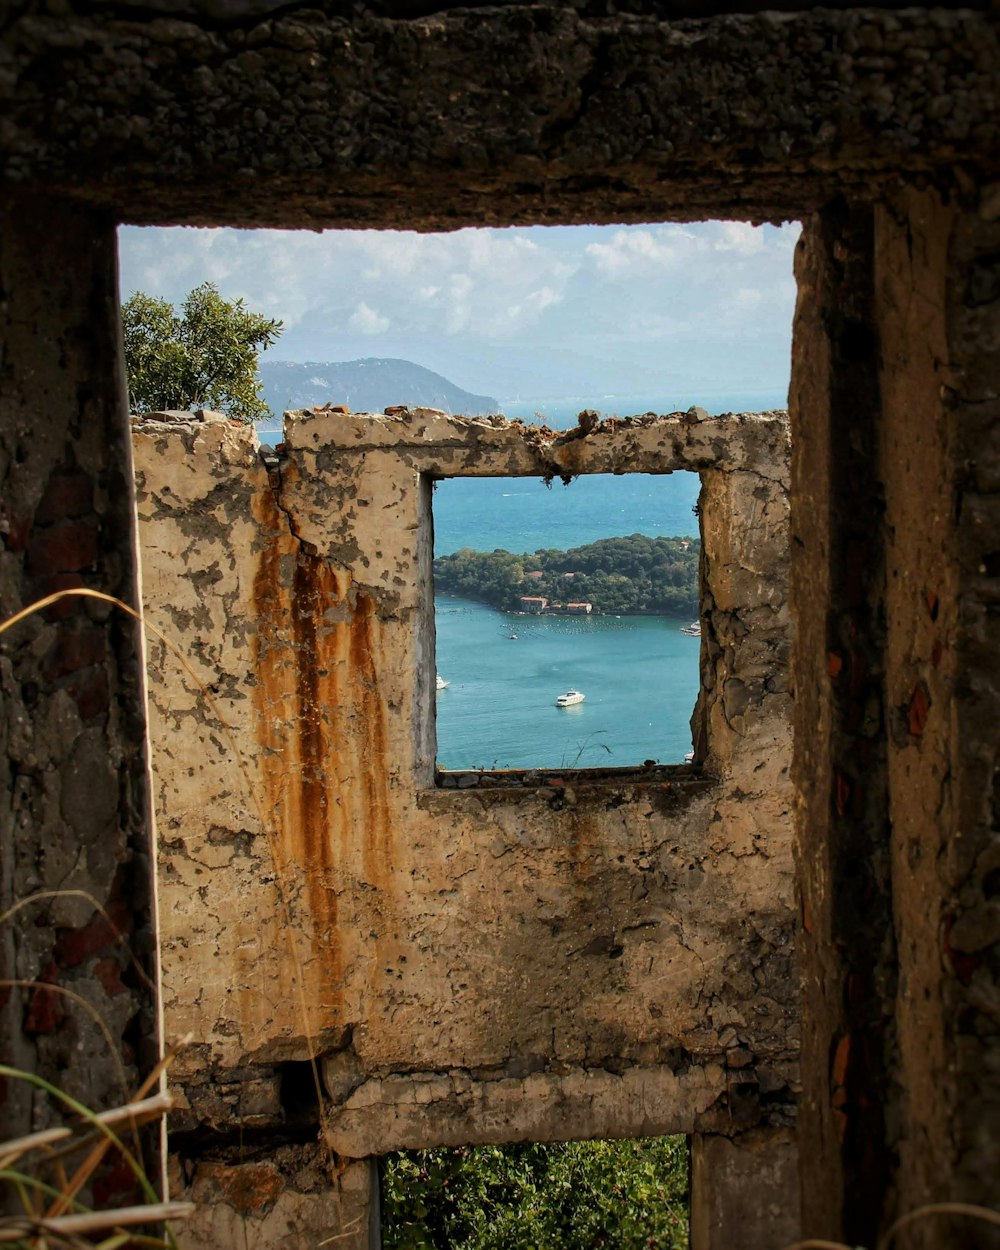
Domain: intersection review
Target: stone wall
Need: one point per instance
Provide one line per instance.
(77, 944)
(530, 957)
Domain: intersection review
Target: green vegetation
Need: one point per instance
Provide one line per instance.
(204, 358)
(617, 1195)
(617, 575)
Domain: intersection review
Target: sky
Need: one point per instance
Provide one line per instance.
(526, 312)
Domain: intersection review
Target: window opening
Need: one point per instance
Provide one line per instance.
(628, 1195)
(546, 595)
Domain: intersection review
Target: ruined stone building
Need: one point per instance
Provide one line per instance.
(787, 951)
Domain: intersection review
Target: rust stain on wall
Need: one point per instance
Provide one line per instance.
(248, 1188)
(289, 662)
(373, 810)
(322, 735)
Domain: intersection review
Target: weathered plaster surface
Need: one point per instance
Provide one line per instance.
(290, 1197)
(573, 958)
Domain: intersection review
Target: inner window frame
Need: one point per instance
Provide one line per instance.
(541, 775)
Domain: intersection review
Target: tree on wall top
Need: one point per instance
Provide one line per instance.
(204, 358)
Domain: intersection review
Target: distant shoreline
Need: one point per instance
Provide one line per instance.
(683, 619)
(624, 576)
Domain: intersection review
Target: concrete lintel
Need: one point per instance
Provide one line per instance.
(268, 122)
(412, 1110)
(442, 445)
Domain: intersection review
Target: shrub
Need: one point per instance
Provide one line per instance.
(616, 1195)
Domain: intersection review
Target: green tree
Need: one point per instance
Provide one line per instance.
(616, 575)
(204, 358)
(614, 1195)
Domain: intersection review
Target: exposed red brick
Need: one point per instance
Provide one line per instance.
(72, 605)
(918, 709)
(63, 549)
(91, 692)
(45, 1007)
(73, 946)
(841, 1055)
(74, 650)
(108, 972)
(66, 495)
(115, 1184)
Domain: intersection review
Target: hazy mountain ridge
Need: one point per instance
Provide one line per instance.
(367, 385)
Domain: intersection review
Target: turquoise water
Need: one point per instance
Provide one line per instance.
(523, 514)
(639, 673)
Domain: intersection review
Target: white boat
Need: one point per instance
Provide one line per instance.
(441, 683)
(570, 698)
(694, 629)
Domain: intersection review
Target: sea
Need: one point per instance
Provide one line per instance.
(505, 670)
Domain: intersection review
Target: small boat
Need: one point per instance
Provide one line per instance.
(694, 629)
(570, 698)
(513, 636)
(441, 683)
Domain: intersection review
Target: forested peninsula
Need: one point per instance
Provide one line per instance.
(615, 576)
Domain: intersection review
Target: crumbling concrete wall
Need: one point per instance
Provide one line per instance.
(893, 582)
(521, 958)
(77, 1005)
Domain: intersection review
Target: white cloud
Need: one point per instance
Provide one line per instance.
(627, 301)
(544, 298)
(739, 236)
(366, 320)
(637, 249)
